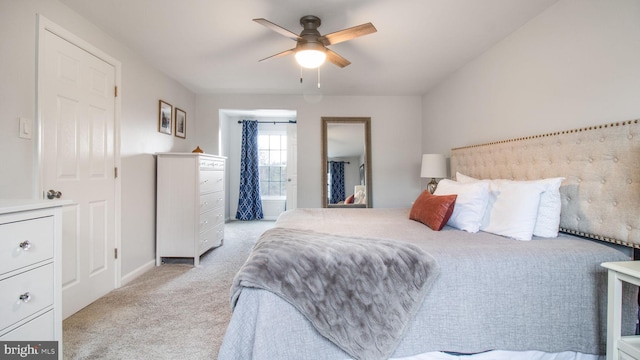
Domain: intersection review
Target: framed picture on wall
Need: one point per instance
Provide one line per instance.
(165, 119)
(181, 123)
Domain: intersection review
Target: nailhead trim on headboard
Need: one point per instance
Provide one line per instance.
(628, 122)
(601, 164)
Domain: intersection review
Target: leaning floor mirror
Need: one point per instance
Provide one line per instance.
(346, 162)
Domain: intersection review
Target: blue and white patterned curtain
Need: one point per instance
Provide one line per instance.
(336, 168)
(249, 203)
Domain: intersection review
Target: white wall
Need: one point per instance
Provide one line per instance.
(141, 88)
(577, 64)
(395, 137)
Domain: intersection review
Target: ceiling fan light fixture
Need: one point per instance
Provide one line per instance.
(311, 55)
(311, 47)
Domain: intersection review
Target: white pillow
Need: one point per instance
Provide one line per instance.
(548, 220)
(470, 205)
(512, 209)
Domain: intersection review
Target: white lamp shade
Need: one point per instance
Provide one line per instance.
(310, 55)
(310, 59)
(433, 166)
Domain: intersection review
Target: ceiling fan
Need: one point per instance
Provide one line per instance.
(311, 48)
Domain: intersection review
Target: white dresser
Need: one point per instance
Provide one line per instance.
(190, 205)
(30, 271)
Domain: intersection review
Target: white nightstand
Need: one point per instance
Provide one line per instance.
(620, 347)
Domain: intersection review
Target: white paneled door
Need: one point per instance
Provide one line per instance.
(77, 114)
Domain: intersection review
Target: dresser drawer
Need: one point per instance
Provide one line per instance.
(211, 181)
(211, 219)
(38, 329)
(36, 238)
(212, 237)
(37, 283)
(211, 164)
(211, 201)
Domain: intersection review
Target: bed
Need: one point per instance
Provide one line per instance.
(481, 291)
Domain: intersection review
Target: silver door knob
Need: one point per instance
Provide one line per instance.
(52, 194)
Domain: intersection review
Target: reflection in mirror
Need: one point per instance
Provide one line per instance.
(346, 158)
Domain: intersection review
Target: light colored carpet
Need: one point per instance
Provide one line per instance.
(175, 311)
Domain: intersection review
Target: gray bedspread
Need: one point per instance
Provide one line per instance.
(359, 293)
(491, 293)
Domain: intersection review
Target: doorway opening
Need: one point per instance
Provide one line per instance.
(277, 152)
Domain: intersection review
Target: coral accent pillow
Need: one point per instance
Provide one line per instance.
(349, 200)
(433, 210)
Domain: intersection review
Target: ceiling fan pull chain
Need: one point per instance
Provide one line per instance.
(300, 74)
(318, 77)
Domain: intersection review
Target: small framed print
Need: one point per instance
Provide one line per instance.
(165, 119)
(181, 123)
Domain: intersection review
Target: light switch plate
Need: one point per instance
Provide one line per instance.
(25, 128)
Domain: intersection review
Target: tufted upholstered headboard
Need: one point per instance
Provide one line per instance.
(601, 164)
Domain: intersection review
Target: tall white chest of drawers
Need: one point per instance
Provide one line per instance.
(30, 271)
(190, 203)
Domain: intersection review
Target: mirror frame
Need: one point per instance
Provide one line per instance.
(367, 158)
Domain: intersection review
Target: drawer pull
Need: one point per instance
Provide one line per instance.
(25, 245)
(25, 297)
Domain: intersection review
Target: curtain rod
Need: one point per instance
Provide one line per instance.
(273, 122)
(346, 162)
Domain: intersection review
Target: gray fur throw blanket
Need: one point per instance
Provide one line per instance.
(359, 293)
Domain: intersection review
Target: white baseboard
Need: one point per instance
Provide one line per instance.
(137, 272)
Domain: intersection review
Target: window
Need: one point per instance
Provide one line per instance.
(272, 153)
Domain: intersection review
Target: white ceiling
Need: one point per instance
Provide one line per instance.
(213, 46)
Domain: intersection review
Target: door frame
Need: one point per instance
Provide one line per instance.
(45, 24)
(292, 163)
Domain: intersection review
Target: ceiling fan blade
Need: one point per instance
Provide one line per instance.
(348, 34)
(277, 28)
(336, 59)
(286, 52)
